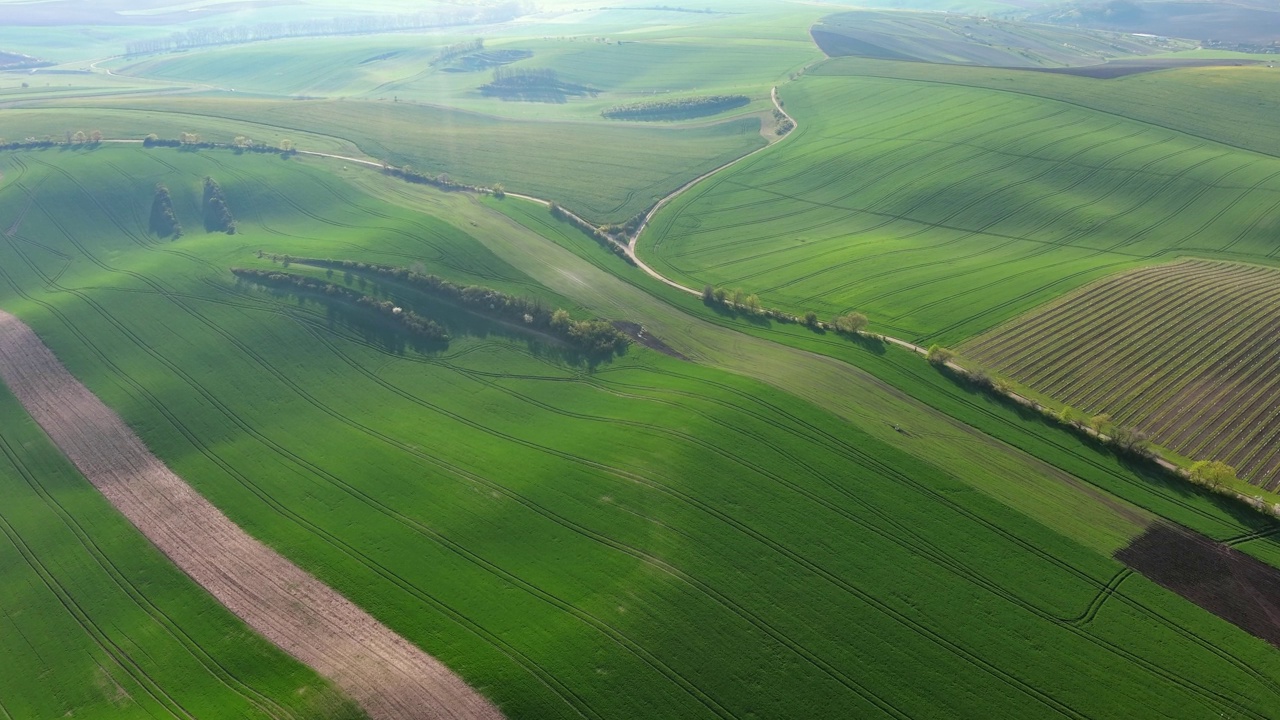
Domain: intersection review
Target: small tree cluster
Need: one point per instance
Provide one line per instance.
(164, 221)
(850, 323)
(939, 355)
(217, 216)
(1213, 474)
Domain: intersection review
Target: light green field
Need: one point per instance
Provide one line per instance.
(97, 624)
(648, 538)
(940, 209)
(608, 172)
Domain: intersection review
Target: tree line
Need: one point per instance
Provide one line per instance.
(596, 338)
(599, 234)
(458, 49)
(412, 322)
(344, 25)
(737, 300)
(675, 109)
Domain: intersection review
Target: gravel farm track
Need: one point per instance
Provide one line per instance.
(388, 676)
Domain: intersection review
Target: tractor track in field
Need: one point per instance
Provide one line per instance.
(385, 674)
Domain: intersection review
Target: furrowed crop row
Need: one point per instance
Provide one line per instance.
(1013, 338)
(1164, 406)
(1242, 349)
(1201, 314)
(1108, 326)
(1042, 358)
(1010, 341)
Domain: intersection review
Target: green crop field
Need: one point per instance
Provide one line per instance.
(941, 209)
(1184, 352)
(607, 171)
(98, 624)
(648, 537)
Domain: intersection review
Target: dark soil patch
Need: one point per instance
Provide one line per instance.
(836, 44)
(1238, 588)
(1121, 68)
(636, 332)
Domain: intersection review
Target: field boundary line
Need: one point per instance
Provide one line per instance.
(388, 676)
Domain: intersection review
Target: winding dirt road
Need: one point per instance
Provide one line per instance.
(388, 676)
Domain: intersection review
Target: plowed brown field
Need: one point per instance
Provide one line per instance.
(387, 675)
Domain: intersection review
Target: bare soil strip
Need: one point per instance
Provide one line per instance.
(1236, 587)
(387, 675)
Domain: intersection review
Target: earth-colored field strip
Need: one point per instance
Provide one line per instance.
(646, 538)
(96, 623)
(1184, 352)
(940, 210)
(388, 676)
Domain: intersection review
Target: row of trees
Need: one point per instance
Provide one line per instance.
(416, 324)
(677, 109)
(739, 300)
(441, 16)
(599, 234)
(592, 337)
(458, 49)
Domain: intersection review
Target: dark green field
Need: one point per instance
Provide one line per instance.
(514, 514)
(734, 516)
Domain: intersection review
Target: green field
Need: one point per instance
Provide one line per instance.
(648, 538)
(941, 209)
(1182, 352)
(98, 624)
(582, 165)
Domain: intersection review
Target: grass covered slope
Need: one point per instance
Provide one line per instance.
(1183, 352)
(651, 538)
(98, 624)
(940, 209)
(608, 172)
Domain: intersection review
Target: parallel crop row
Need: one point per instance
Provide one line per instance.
(1184, 352)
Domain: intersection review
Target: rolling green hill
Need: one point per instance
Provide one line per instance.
(649, 537)
(940, 209)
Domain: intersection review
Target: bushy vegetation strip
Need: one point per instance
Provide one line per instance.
(594, 337)
(681, 109)
(412, 322)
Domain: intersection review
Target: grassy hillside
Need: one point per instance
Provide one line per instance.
(710, 546)
(608, 172)
(941, 209)
(98, 624)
